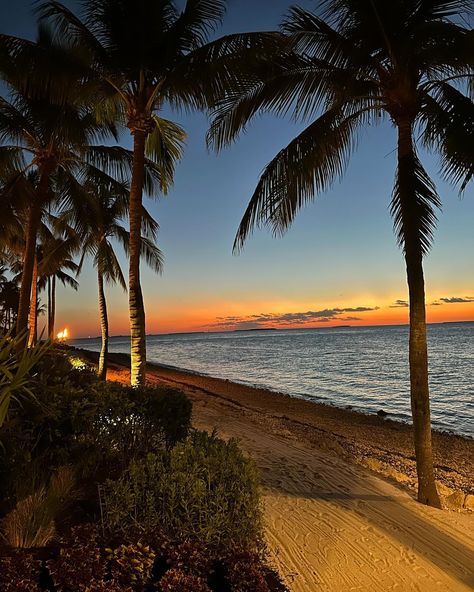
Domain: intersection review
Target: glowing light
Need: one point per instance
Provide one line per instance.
(62, 335)
(78, 364)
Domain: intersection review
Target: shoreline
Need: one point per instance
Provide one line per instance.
(381, 444)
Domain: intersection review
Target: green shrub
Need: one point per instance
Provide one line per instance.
(77, 420)
(204, 489)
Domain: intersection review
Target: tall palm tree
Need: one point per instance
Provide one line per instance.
(96, 215)
(147, 54)
(354, 64)
(46, 127)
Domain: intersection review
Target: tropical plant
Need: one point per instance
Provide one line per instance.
(96, 215)
(15, 368)
(355, 64)
(167, 66)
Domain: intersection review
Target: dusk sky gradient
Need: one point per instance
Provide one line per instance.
(338, 264)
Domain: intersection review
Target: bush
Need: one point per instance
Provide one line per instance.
(77, 420)
(204, 490)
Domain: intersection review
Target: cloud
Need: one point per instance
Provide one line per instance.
(457, 299)
(399, 304)
(262, 320)
(351, 318)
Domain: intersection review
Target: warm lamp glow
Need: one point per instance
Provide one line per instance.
(62, 335)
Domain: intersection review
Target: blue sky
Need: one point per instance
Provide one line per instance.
(341, 251)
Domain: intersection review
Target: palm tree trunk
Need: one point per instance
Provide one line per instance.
(53, 306)
(136, 307)
(33, 317)
(27, 268)
(104, 326)
(418, 350)
(50, 329)
(34, 218)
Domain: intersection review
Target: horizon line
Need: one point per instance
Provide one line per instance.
(278, 329)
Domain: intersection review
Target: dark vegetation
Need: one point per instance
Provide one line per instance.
(108, 488)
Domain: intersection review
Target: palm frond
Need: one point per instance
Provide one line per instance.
(448, 119)
(165, 148)
(152, 255)
(414, 210)
(308, 165)
(195, 24)
(108, 265)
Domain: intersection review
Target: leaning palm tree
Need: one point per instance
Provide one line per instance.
(96, 215)
(354, 64)
(147, 54)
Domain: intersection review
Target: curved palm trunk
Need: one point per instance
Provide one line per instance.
(27, 269)
(418, 351)
(33, 317)
(104, 326)
(135, 298)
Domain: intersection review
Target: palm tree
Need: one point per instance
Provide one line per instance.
(356, 64)
(46, 128)
(96, 216)
(147, 54)
(55, 253)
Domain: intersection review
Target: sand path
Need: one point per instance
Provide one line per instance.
(334, 526)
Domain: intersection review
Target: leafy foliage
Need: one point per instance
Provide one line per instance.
(204, 490)
(132, 565)
(77, 420)
(81, 563)
(179, 581)
(15, 371)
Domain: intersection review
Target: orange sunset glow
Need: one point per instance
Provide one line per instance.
(231, 316)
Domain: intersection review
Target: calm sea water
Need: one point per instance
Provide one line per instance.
(362, 367)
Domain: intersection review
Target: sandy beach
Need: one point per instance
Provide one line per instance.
(339, 489)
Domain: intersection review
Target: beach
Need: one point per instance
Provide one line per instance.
(339, 497)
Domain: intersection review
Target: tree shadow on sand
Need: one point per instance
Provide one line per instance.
(388, 512)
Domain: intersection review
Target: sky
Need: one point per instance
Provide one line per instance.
(338, 264)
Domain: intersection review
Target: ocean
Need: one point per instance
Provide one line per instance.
(365, 368)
